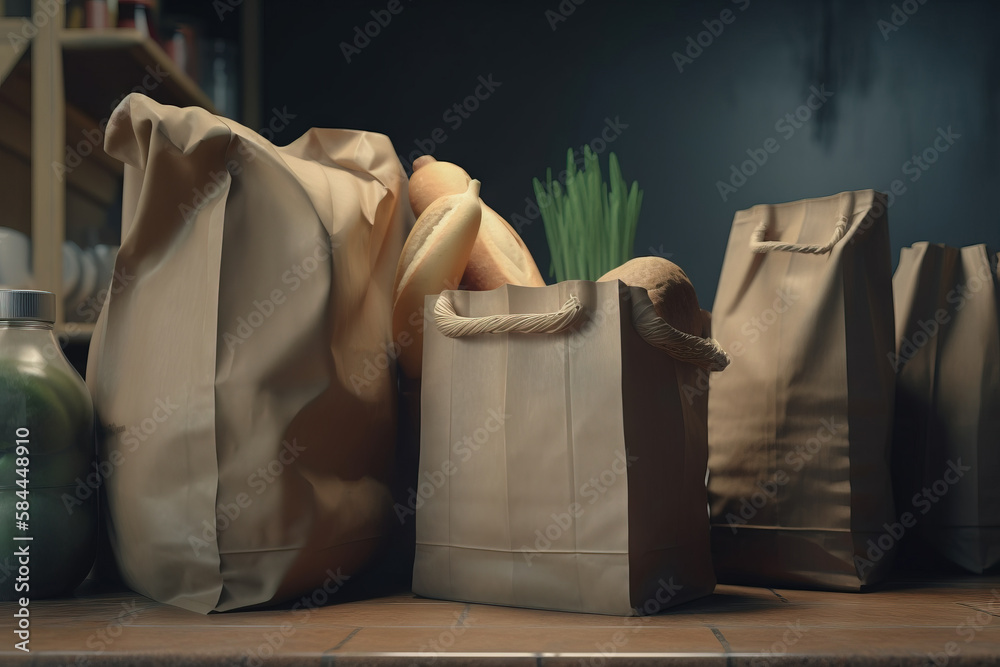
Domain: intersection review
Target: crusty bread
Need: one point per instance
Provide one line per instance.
(433, 259)
(432, 179)
(499, 255)
(669, 288)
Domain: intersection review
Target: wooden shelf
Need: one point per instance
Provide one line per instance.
(92, 186)
(102, 66)
(58, 88)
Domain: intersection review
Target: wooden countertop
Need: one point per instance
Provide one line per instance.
(954, 621)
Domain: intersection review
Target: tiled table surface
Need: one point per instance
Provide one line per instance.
(953, 622)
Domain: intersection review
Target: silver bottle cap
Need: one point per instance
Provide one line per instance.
(23, 304)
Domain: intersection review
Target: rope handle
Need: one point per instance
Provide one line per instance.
(759, 245)
(703, 352)
(453, 325)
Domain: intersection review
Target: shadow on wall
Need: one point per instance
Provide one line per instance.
(712, 106)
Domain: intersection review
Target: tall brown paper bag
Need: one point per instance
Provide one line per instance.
(561, 468)
(247, 449)
(799, 426)
(947, 433)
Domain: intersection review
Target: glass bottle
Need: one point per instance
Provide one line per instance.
(48, 506)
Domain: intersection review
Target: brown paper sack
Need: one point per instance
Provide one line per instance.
(239, 366)
(799, 426)
(560, 466)
(947, 435)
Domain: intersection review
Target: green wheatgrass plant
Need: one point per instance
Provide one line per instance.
(589, 224)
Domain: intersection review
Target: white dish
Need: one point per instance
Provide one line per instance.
(15, 259)
(105, 255)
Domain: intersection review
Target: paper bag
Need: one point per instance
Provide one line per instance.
(560, 465)
(799, 426)
(947, 432)
(239, 366)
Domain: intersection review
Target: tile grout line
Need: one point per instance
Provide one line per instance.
(779, 595)
(722, 639)
(464, 615)
(965, 604)
(346, 639)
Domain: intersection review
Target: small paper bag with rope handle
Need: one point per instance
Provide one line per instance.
(561, 466)
(799, 426)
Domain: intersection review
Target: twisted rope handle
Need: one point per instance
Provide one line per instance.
(759, 245)
(453, 325)
(703, 352)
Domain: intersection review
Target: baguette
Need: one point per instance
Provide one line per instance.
(670, 290)
(433, 259)
(499, 255)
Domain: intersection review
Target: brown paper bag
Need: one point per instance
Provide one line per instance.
(562, 468)
(799, 425)
(947, 433)
(239, 365)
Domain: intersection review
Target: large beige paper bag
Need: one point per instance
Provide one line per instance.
(560, 465)
(248, 446)
(799, 426)
(947, 433)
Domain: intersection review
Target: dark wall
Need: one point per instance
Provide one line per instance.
(887, 95)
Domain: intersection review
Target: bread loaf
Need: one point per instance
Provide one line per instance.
(433, 259)
(499, 256)
(670, 290)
